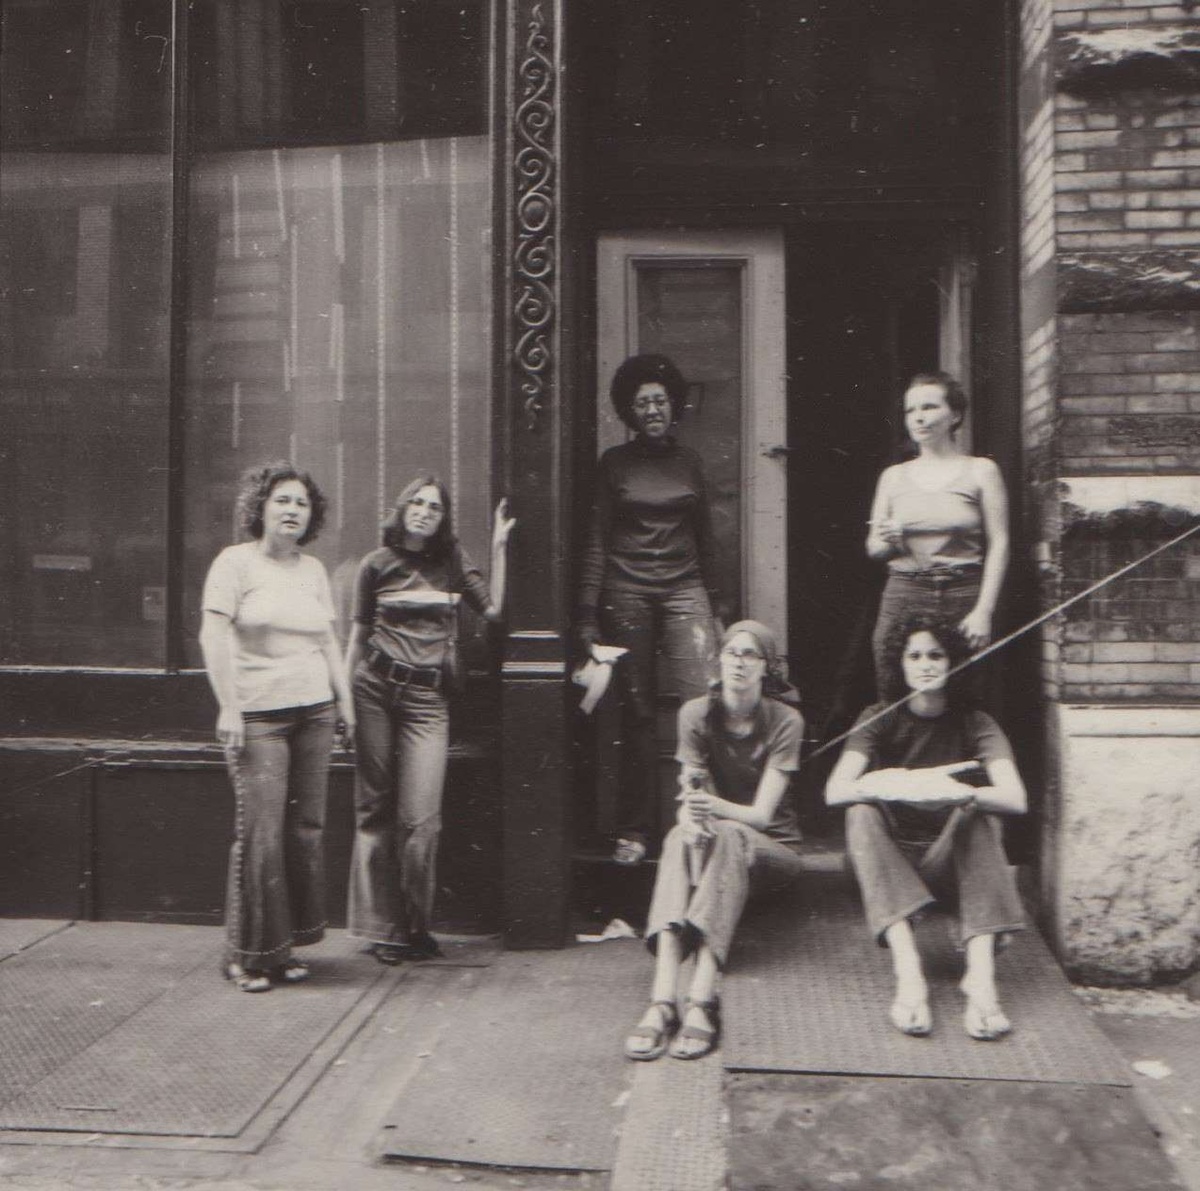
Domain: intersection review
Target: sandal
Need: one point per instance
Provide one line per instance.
(390, 954)
(657, 1036)
(708, 1036)
(629, 852)
(421, 946)
(912, 1017)
(249, 980)
(294, 971)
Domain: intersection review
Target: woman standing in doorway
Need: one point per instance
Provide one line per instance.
(940, 521)
(401, 654)
(273, 663)
(647, 577)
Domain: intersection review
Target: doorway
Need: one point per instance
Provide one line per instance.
(868, 306)
(714, 303)
(796, 344)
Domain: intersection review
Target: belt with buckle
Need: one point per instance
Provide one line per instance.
(401, 673)
(943, 574)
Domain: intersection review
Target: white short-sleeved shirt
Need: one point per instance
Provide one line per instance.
(280, 612)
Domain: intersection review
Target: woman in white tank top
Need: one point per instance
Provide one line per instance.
(940, 521)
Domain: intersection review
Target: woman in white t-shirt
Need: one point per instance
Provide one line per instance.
(273, 662)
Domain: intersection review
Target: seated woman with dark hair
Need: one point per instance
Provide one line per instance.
(916, 834)
(736, 835)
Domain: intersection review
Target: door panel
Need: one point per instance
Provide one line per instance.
(713, 302)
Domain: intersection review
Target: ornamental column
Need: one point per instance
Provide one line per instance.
(531, 425)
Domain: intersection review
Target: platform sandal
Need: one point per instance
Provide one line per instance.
(294, 971)
(707, 1036)
(658, 1036)
(249, 980)
(421, 946)
(390, 954)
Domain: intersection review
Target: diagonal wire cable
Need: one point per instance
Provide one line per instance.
(1010, 637)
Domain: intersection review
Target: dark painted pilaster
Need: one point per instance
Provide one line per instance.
(531, 468)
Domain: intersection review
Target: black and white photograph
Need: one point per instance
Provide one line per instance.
(600, 595)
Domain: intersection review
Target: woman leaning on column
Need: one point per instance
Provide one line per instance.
(400, 662)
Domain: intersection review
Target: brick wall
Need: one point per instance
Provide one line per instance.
(1126, 366)
(1129, 393)
(1127, 172)
(1138, 638)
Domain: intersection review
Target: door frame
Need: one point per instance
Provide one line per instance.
(760, 255)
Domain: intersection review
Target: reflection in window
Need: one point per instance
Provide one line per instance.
(84, 230)
(341, 320)
(335, 277)
(279, 72)
(339, 297)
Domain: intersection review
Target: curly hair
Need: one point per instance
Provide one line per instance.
(260, 481)
(392, 529)
(947, 635)
(956, 396)
(647, 370)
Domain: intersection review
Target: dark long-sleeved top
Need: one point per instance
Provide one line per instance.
(415, 634)
(651, 528)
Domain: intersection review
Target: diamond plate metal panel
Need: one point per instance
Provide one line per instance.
(19, 934)
(60, 996)
(676, 1128)
(808, 991)
(174, 1050)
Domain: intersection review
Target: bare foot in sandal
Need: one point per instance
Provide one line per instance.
(701, 1030)
(648, 1039)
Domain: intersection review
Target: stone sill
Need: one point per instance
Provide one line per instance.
(1157, 720)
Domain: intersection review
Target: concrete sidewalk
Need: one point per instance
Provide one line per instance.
(316, 1121)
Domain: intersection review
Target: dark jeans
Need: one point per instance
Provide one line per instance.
(401, 742)
(679, 626)
(948, 598)
(275, 895)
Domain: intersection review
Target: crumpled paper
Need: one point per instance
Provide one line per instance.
(618, 928)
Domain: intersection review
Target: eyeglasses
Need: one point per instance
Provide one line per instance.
(419, 502)
(742, 655)
(642, 404)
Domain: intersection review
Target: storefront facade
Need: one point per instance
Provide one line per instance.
(378, 238)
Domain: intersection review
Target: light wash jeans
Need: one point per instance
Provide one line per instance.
(741, 863)
(965, 867)
(679, 626)
(401, 742)
(275, 894)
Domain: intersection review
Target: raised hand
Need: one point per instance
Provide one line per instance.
(502, 524)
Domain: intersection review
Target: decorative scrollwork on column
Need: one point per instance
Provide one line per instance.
(535, 246)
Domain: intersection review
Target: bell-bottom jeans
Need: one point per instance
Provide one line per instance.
(964, 867)
(401, 742)
(275, 893)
